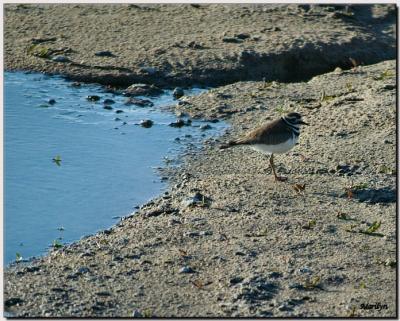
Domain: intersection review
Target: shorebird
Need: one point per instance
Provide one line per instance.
(276, 137)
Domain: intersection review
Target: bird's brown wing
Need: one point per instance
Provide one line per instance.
(272, 133)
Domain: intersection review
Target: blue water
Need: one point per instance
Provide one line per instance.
(106, 167)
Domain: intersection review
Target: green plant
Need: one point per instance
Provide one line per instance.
(18, 257)
(57, 244)
(281, 110)
(385, 74)
(39, 51)
(325, 97)
(315, 282)
(57, 160)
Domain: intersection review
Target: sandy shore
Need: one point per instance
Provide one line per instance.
(251, 247)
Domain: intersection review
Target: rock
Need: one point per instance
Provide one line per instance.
(242, 36)
(117, 119)
(139, 102)
(93, 98)
(82, 270)
(142, 90)
(104, 54)
(338, 70)
(60, 59)
(179, 123)
(205, 127)
(195, 200)
(13, 301)
(303, 270)
(257, 289)
(136, 314)
(231, 40)
(146, 123)
(108, 101)
(275, 275)
(195, 45)
(119, 111)
(178, 93)
(149, 70)
(186, 270)
(107, 107)
(51, 101)
(235, 280)
(103, 293)
(205, 233)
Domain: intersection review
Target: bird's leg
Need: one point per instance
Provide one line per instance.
(277, 178)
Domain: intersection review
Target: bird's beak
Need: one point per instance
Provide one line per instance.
(303, 123)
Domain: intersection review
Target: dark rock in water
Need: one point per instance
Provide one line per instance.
(142, 90)
(178, 92)
(117, 119)
(51, 101)
(146, 123)
(13, 301)
(108, 101)
(93, 98)
(107, 107)
(232, 40)
(104, 54)
(119, 111)
(205, 127)
(242, 36)
(139, 102)
(179, 123)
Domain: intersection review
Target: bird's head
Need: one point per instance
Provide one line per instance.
(294, 119)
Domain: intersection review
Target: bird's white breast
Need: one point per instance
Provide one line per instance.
(276, 149)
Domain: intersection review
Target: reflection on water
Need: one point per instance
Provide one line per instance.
(106, 161)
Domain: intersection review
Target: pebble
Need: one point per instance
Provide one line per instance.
(139, 102)
(186, 269)
(136, 314)
(205, 127)
(149, 70)
(83, 270)
(146, 123)
(178, 93)
(60, 59)
(235, 280)
(107, 107)
(231, 40)
(51, 101)
(142, 89)
(119, 111)
(275, 275)
(179, 123)
(105, 53)
(93, 98)
(108, 101)
(242, 36)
